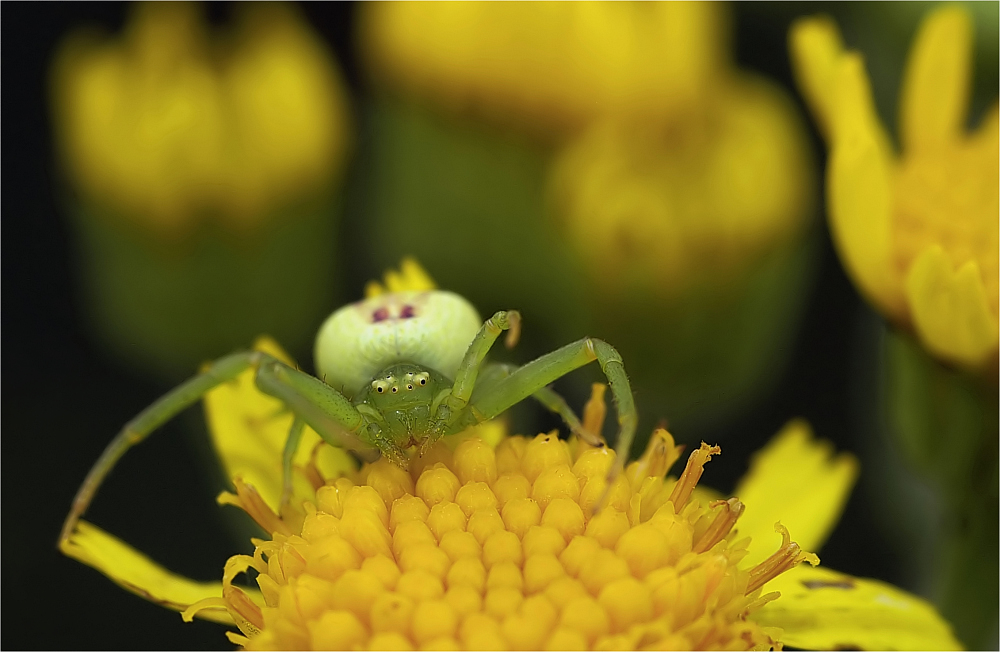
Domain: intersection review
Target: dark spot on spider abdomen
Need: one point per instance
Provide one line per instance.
(383, 313)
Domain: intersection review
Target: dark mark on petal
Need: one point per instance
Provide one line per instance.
(822, 584)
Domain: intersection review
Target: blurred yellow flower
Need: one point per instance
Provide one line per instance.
(918, 230)
(552, 65)
(685, 167)
(166, 124)
(665, 203)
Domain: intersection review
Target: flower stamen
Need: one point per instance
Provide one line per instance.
(787, 556)
(721, 526)
(594, 413)
(249, 500)
(691, 475)
(661, 453)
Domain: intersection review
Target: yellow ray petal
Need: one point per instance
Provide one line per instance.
(797, 480)
(135, 572)
(859, 192)
(411, 277)
(935, 93)
(821, 609)
(949, 309)
(815, 47)
(249, 430)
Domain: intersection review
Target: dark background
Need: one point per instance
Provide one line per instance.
(63, 400)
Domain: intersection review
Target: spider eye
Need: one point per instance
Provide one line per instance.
(409, 387)
(380, 389)
(423, 381)
(395, 389)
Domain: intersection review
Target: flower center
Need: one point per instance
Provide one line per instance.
(521, 546)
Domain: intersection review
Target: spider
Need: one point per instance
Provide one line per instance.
(399, 371)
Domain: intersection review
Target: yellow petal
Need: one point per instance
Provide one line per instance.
(821, 609)
(935, 92)
(949, 309)
(815, 47)
(797, 480)
(859, 192)
(249, 430)
(411, 277)
(135, 572)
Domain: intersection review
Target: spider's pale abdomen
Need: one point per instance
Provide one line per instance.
(432, 329)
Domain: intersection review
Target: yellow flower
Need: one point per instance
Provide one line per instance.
(667, 203)
(550, 65)
(917, 230)
(676, 164)
(166, 124)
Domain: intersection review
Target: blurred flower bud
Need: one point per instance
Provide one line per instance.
(204, 170)
(550, 66)
(657, 205)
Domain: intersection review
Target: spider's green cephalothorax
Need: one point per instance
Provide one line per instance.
(401, 402)
(397, 372)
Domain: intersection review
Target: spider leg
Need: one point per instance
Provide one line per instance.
(537, 374)
(154, 416)
(550, 399)
(468, 371)
(448, 410)
(318, 405)
(287, 456)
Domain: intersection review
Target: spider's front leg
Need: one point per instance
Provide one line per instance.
(493, 373)
(325, 410)
(449, 407)
(313, 402)
(534, 376)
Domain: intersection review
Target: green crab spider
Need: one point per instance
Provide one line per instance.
(400, 370)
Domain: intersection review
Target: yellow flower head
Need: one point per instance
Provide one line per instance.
(551, 65)
(917, 230)
(166, 123)
(483, 547)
